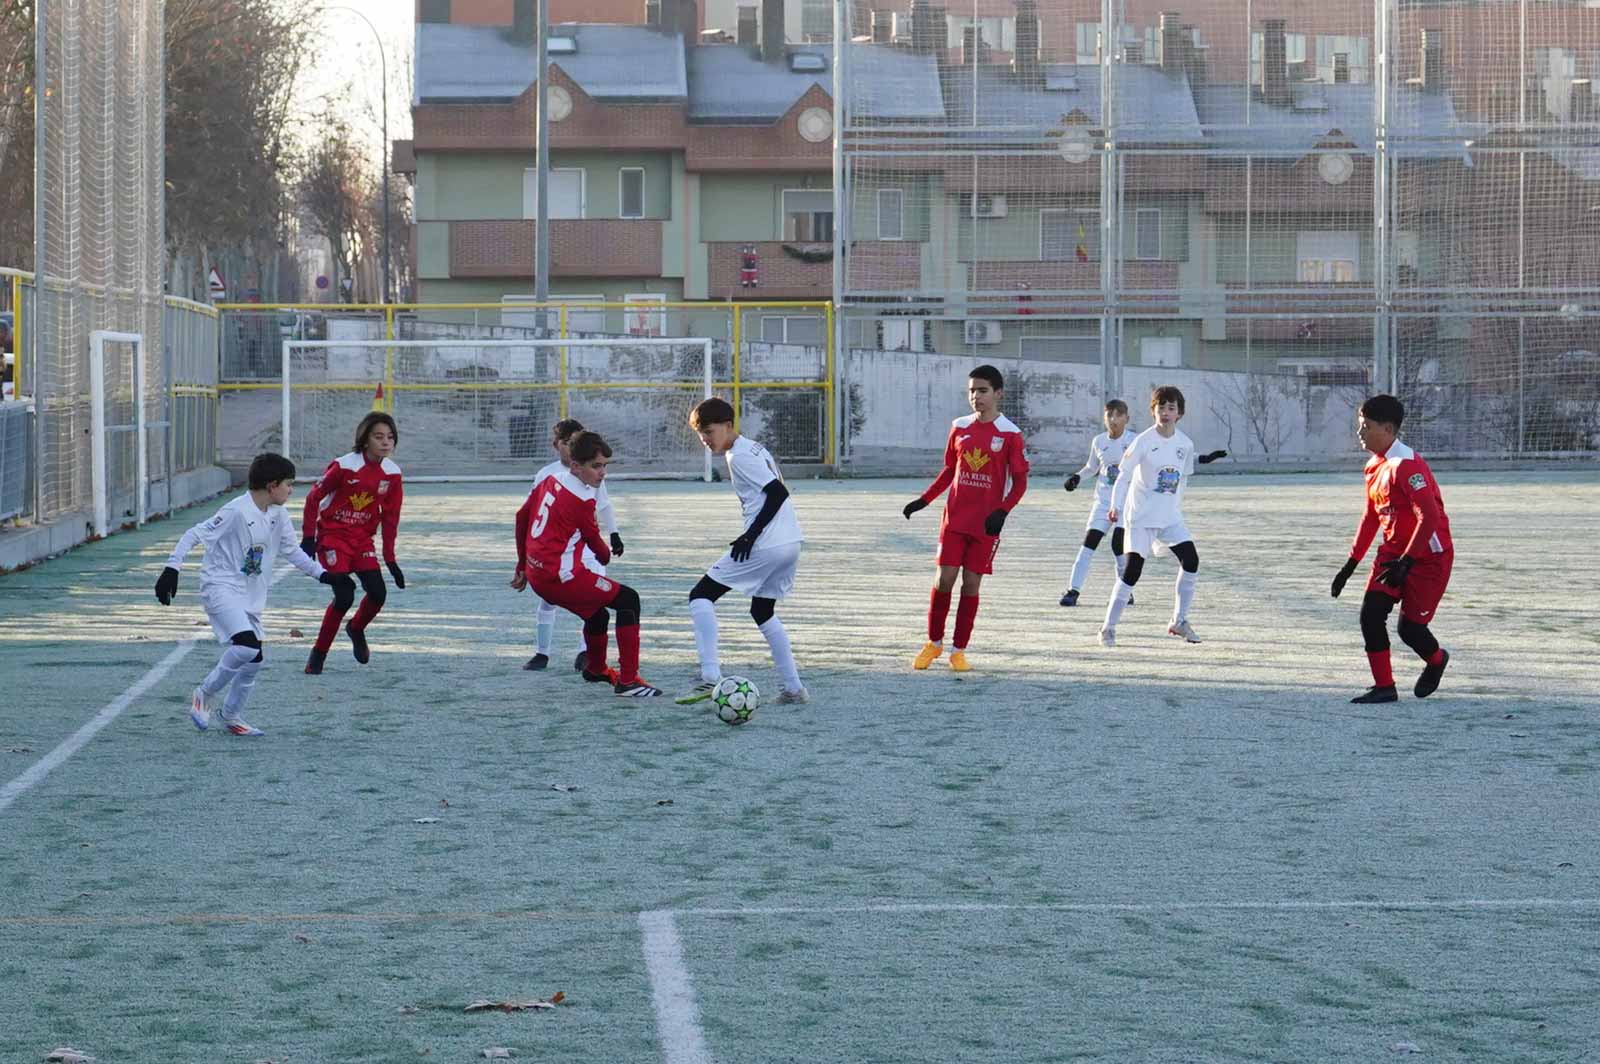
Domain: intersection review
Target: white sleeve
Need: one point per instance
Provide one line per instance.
(289, 547)
(1092, 466)
(207, 532)
(605, 514)
(1129, 464)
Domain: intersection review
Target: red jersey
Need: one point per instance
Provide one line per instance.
(985, 468)
(557, 520)
(354, 497)
(1403, 501)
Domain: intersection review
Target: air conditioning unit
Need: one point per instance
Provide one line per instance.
(982, 332)
(989, 205)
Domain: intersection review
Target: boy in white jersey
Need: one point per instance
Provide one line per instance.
(561, 439)
(760, 563)
(1105, 462)
(242, 542)
(1147, 501)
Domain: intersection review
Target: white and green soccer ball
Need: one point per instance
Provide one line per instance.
(735, 699)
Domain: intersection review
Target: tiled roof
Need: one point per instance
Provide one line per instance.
(463, 64)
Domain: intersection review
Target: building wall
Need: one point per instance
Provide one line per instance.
(749, 206)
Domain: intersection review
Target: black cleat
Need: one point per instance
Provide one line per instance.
(537, 663)
(358, 643)
(581, 662)
(1375, 695)
(314, 663)
(1428, 682)
(1070, 598)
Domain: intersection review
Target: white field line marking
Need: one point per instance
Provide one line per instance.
(677, 1016)
(108, 713)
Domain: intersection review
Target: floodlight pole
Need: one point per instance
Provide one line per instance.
(383, 173)
(541, 180)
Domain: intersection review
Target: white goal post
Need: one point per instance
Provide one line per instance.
(98, 430)
(468, 407)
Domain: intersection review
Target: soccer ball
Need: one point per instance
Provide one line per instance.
(736, 699)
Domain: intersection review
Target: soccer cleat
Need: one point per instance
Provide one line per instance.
(958, 661)
(797, 697)
(1428, 682)
(1070, 598)
(637, 689)
(929, 653)
(1375, 695)
(358, 643)
(610, 676)
(314, 663)
(237, 726)
(1183, 628)
(581, 662)
(201, 708)
(698, 693)
(1108, 637)
(537, 663)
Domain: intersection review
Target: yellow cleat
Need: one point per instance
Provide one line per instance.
(958, 661)
(930, 652)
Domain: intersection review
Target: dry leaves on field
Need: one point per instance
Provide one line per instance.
(304, 938)
(484, 1005)
(663, 801)
(1405, 1047)
(564, 788)
(409, 1010)
(67, 1055)
(19, 749)
(426, 820)
(295, 633)
(497, 1053)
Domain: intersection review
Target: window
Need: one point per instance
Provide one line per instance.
(1147, 233)
(1088, 43)
(891, 223)
(642, 322)
(630, 196)
(1359, 51)
(567, 193)
(434, 11)
(1328, 258)
(1161, 351)
(805, 329)
(998, 32)
(1068, 235)
(1294, 51)
(816, 20)
(808, 215)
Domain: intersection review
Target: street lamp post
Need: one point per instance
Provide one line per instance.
(383, 175)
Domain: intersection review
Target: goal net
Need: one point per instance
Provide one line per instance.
(483, 409)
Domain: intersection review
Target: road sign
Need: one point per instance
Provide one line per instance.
(217, 288)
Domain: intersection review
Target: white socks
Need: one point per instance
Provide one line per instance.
(546, 630)
(1122, 564)
(1080, 568)
(1185, 596)
(703, 612)
(1119, 600)
(239, 693)
(234, 658)
(782, 655)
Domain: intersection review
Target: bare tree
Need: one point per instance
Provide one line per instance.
(1256, 402)
(335, 193)
(16, 133)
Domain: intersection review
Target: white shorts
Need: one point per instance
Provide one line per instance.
(767, 573)
(1098, 521)
(1148, 540)
(228, 613)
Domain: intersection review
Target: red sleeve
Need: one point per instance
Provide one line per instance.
(390, 518)
(1425, 506)
(1365, 531)
(947, 474)
(1019, 476)
(329, 483)
(524, 519)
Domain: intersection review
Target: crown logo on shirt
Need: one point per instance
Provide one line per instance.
(361, 500)
(975, 459)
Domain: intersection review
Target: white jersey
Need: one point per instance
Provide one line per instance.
(1149, 493)
(604, 514)
(242, 544)
(751, 467)
(1105, 463)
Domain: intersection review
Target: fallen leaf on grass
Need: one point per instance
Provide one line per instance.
(663, 801)
(485, 1005)
(409, 1010)
(303, 938)
(67, 1055)
(564, 788)
(426, 820)
(497, 1052)
(19, 749)
(1564, 864)
(1406, 1047)
(444, 803)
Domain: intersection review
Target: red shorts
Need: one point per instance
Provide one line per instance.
(584, 593)
(1419, 596)
(347, 555)
(961, 550)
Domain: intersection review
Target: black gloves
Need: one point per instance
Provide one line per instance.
(1395, 571)
(1343, 576)
(1207, 459)
(913, 506)
(616, 545)
(309, 545)
(994, 523)
(166, 585)
(337, 581)
(742, 547)
(1072, 483)
(399, 577)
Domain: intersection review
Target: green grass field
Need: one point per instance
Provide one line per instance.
(1157, 853)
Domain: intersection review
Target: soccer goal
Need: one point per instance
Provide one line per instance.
(472, 409)
(119, 433)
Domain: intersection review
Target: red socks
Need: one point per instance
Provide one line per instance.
(628, 653)
(364, 614)
(331, 618)
(938, 610)
(1382, 674)
(966, 613)
(1437, 657)
(594, 644)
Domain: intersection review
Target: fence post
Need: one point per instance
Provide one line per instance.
(561, 353)
(16, 337)
(388, 358)
(830, 454)
(738, 393)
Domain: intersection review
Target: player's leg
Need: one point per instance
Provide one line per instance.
(952, 548)
(596, 641)
(980, 563)
(1080, 567)
(236, 653)
(1139, 541)
(703, 613)
(376, 593)
(1117, 538)
(343, 598)
(1419, 600)
(629, 683)
(1183, 591)
(1375, 609)
(544, 636)
(243, 684)
(777, 581)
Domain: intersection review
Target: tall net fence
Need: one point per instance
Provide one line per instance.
(1282, 207)
(99, 242)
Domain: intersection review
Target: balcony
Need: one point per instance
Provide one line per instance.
(779, 273)
(579, 247)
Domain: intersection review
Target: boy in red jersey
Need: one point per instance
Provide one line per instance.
(986, 470)
(1414, 558)
(359, 492)
(559, 519)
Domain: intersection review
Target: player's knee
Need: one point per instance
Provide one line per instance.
(1092, 538)
(762, 609)
(1132, 569)
(627, 606)
(598, 621)
(708, 589)
(377, 593)
(245, 639)
(1415, 634)
(1117, 539)
(261, 655)
(1187, 556)
(971, 584)
(344, 596)
(1375, 621)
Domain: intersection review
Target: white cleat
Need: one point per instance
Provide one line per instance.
(1183, 628)
(798, 697)
(698, 693)
(201, 708)
(1108, 637)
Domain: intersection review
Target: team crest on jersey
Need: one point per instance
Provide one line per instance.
(330, 558)
(1167, 481)
(252, 560)
(603, 584)
(975, 459)
(360, 500)
(383, 487)
(1111, 473)
(997, 443)
(1417, 482)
